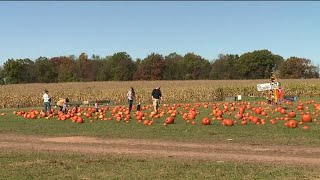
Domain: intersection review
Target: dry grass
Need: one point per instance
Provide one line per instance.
(29, 95)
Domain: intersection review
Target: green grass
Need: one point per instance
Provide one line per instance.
(45, 165)
(180, 131)
(64, 165)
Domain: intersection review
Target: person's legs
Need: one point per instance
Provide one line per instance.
(60, 108)
(64, 109)
(130, 105)
(49, 107)
(45, 107)
(154, 103)
(157, 107)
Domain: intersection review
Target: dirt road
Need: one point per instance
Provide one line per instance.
(222, 151)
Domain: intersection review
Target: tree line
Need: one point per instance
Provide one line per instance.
(121, 67)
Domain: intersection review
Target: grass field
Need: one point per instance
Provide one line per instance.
(46, 165)
(37, 164)
(180, 131)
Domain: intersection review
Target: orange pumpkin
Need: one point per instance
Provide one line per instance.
(169, 120)
(227, 122)
(292, 114)
(306, 118)
(292, 124)
(205, 121)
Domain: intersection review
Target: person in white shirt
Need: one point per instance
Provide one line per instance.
(131, 95)
(96, 106)
(46, 101)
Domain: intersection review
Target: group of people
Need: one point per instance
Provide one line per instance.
(156, 98)
(62, 103)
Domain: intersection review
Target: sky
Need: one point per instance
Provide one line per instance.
(34, 29)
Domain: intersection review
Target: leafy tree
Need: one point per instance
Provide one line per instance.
(45, 71)
(65, 68)
(173, 67)
(95, 57)
(225, 67)
(104, 72)
(150, 68)
(84, 68)
(2, 76)
(103, 69)
(195, 67)
(122, 67)
(29, 75)
(13, 71)
(295, 67)
(258, 64)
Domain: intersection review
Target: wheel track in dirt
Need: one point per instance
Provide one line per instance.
(220, 151)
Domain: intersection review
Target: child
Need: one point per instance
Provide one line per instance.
(139, 107)
(64, 106)
(96, 106)
(75, 109)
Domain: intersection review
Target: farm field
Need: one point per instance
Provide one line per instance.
(266, 142)
(29, 95)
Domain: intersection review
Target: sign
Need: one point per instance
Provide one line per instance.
(267, 86)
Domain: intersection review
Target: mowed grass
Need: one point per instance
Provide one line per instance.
(179, 131)
(46, 165)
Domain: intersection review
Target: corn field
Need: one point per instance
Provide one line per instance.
(30, 95)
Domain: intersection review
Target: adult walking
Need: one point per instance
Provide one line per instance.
(131, 95)
(156, 98)
(46, 101)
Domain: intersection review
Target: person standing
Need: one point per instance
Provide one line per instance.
(156, 97)
(96, 106)
(46, 101)
(131, 95)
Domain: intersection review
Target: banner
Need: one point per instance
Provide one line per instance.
(267, 86)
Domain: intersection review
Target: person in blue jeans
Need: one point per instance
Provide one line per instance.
(131, 95)
(46, 101)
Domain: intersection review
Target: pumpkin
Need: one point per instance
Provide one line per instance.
(258, 111)
(146, 122)
(305, 127)
(255, 120)
(238, 115)
(306, 118)
(283, 111)
(79, 120)
(292, 114)
(227, 122)
(300, 107)
(169, 120)
(191, 116)
(292, 124)
(205, 121)
(244, 122)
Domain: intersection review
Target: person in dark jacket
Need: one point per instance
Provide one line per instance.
(156, 98)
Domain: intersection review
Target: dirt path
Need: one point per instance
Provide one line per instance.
(223, 151)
